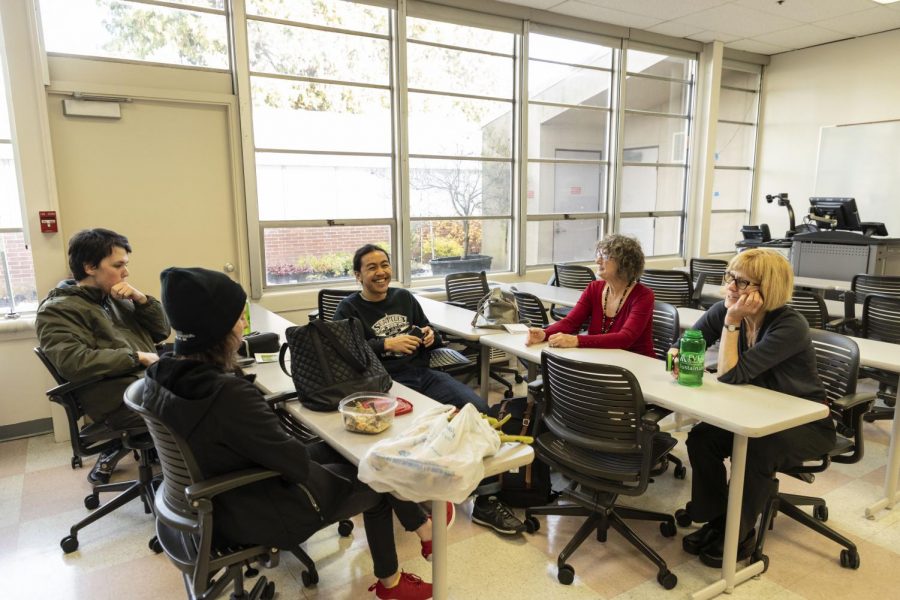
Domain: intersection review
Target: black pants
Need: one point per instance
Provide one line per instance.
(708, 447)
(377, 510)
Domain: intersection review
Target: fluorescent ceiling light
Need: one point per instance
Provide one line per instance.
(886, 1)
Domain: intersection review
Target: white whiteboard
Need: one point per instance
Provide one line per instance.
(863, 162)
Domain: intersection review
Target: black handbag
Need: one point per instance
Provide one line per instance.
(331, 360)
(259, 343)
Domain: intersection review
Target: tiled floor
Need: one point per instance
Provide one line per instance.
(40, 497)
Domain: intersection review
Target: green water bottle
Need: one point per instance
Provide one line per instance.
(247, 328)
(691, 358)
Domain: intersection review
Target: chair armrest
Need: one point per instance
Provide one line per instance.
(536, 387)
(844, 324)
(698, 288)
(654, 414)
(210, 488)
(73, 386)
(455, 303)
(845, 403)
(273, 399)
(849, 299)
(313, 314)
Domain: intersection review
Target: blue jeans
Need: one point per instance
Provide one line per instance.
(440, 386)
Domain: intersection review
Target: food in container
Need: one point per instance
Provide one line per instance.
(367, 412)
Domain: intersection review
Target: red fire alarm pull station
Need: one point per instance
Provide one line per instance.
(48, 221)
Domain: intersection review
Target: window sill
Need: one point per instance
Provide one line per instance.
(17, 329)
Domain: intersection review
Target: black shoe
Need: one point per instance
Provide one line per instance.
(711, 555)
(100, 472)
(694, 543)
(496, 515)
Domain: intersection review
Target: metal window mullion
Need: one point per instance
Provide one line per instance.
(614, 192)
(568, 161)
(569, 106)
(731, 168)
(322, 152)
(586, 216)
(325, 81)
(520, 207)
(651, 213)
(505, 217)
(466, 158)
(739, 89)
(655, 165)
(317, 27)
(651, 113)
(11, 230)
(570, 64)
(5, 141)
(401, 143)
(177, 6)
(659, 78)
(287, 223)
(459, 95)
(716, 211)
(460, 48)
(730, 122)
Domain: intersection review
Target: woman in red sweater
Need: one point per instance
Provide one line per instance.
(620, 309)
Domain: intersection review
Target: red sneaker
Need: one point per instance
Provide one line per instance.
(410, 587)
(451, 518)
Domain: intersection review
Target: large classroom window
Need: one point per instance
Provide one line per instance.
(657, 101)
(180, 32)
(570, 89)
(735, 154)
(17, 286)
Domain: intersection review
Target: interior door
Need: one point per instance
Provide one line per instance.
(162, 175)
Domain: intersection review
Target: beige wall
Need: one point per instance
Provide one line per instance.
(845, 82)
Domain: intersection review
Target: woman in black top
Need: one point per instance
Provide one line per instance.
(763, 342)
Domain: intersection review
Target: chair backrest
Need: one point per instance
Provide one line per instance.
(883, 285)
(531, 310)
(672, 287)
(881, 318)
(713, 268)
(811, 306)
(179, 468)
(466, 289)
(666, 328)
(837, 360)
(329, 300)
(576, 277)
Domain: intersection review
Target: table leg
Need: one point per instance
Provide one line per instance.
(730, 575)
(439, 549)
(891, 474)
(485, 371)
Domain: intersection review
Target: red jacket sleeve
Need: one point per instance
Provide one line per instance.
(588, 305)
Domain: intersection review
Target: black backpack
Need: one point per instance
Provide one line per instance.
(528, 485)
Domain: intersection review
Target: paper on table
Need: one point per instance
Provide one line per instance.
(266, 357)
(516, 328)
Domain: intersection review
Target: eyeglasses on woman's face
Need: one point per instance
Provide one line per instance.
(601, 255)
(741, 284)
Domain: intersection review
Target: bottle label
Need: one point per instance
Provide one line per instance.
(690, 367)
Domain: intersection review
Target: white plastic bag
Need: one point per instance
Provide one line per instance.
(435, 459)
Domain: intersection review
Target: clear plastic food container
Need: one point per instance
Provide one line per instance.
(367, 412)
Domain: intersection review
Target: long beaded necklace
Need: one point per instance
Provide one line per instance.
(606, 323)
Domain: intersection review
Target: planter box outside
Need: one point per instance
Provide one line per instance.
(458, 264)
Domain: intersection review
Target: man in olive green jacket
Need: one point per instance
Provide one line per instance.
(98, 324)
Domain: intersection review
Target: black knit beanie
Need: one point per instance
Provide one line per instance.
(202, 306)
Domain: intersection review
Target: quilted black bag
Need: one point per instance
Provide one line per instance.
(331, 360)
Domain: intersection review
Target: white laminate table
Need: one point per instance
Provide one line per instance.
(353, 446)
(546, 293)
(821, 284)
(457, 321)
(745, 410)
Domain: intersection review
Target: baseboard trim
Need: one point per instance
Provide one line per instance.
(26, 429)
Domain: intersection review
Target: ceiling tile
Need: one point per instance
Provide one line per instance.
(738, 20)
(749, 45)
(659, 9)
(712, 36)
(575, 8)
(807, 11)
(540, 4)
(874, 20)
(675, 29)
(801, 37)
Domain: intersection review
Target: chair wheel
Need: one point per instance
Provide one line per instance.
(69, 544)
(508, 394)
(680, 472)
(566, 575)
(532, 525)
(309, 578)
(683, 518)
(251, 572)
(668, 529)
(601, 535)
(345, 528)
(268, 592)
(155, 545)
(91, 501)
(761, 557)
(667, 579)
(820, 512)
(76, 462)
(519, 378)
(850, 559)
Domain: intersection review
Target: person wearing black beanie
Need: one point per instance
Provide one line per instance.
(225, 420)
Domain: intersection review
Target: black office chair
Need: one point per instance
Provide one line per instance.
(184, 517)
(837, 360)
(812, 307)
(881, 321)
(672, 287)
(328, 303)
(706, 271)
(575, 277)
(593, 432)
(863, 285)
(466, 291)
(92, 439)
(666, 331)
(532, 313)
